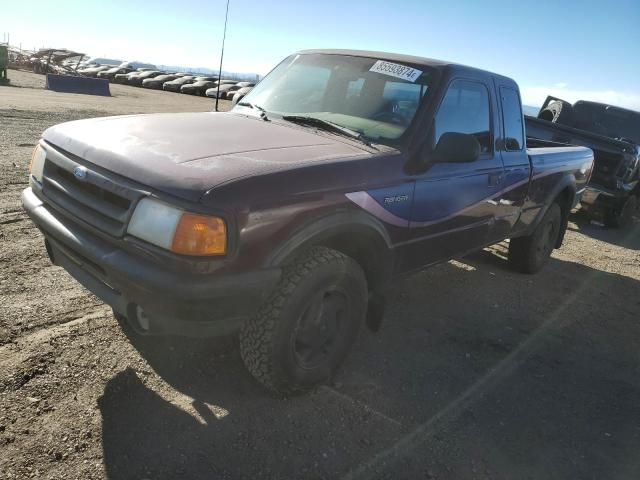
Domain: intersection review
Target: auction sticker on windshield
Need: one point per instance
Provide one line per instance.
(396, 70)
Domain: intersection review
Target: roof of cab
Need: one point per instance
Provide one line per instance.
(398, 57)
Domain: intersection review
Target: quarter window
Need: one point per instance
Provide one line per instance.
(465, 109)
(512, 118)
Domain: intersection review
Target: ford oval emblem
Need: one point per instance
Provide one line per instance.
(80, 173)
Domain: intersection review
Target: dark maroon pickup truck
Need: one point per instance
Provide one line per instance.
(285, 219)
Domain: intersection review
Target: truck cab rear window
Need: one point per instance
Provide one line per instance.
(465, 109)
(512, 119)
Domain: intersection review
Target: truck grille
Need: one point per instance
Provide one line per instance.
(96, 199)
(605, 169)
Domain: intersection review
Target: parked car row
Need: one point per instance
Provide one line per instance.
(109, 70)
(230, 91)
(149, 76)
(229, 88)
(181, 83)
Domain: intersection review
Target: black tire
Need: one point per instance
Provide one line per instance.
(529, 254)
(622, 216)
(126, 326)
(558, 112)
(305, 330)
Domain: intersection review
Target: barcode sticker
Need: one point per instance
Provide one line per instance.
(396, 70)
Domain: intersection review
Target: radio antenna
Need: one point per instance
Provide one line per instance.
(224, 36)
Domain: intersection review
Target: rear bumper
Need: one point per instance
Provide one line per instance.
(175, 303)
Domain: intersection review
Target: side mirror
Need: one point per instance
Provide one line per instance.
(454, 147)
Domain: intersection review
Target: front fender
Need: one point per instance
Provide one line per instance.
(319, 230)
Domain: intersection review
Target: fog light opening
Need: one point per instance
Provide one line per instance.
(141, 317)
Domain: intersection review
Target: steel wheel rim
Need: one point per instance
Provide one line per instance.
(319, 328)
(547, 240)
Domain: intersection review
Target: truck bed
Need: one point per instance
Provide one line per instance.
(551, 162)
(547, 159)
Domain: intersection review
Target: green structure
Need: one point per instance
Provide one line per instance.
(4, 61)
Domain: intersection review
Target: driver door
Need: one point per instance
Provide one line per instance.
(454, 210)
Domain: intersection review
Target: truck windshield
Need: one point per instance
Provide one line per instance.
(375, 98)
(607, 120)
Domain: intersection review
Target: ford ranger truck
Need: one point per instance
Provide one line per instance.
(285, 219)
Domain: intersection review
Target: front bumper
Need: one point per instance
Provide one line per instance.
(175, 303)
(592, 193)
(597, 199)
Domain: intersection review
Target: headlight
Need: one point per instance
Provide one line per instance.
(176, 230)
(37, 163)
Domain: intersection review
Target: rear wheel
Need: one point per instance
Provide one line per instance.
(305, 330)
(622, 216)
(529, 254)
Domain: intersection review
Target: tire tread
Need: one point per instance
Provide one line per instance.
(257, 335)
(522, 249)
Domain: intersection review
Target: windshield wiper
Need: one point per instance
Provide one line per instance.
(263, 112)
(326, 125)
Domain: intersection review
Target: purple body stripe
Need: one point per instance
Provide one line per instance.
(367, 202)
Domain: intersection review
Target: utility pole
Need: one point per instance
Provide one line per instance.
(224, 36)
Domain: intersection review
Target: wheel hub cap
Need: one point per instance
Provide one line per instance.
(319, 328)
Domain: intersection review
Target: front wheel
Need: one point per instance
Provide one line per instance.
(529, 254)
(303, 333)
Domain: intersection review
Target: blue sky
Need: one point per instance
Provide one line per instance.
(573, 49)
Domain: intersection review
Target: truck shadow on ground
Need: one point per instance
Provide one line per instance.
(628, 237)
(476, 369)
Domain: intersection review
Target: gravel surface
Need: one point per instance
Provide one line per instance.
(477, 372)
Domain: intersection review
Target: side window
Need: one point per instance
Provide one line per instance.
(512, 119)
(465, 109)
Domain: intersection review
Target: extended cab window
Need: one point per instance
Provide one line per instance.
(465, 109)
(512, 119)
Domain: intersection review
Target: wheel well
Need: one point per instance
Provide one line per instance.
(370, 251)
(565, 200)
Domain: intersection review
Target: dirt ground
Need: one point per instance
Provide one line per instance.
(478, 372)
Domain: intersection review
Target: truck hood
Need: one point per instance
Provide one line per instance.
(186, 154)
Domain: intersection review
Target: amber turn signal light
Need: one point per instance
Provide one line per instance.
(199, 235)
